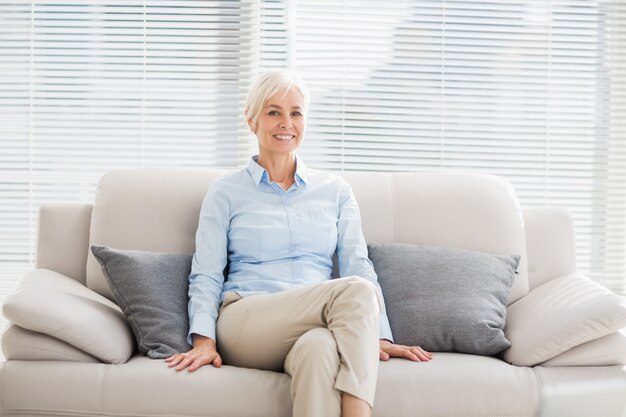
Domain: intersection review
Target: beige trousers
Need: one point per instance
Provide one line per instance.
(324, 335)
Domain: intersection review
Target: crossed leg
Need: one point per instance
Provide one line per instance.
(324, 335)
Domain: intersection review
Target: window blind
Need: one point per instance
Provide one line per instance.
(87, 87)
(532, 91)
(16, 219)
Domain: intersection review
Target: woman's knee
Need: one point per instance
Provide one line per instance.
(363, 289)
(316, 347)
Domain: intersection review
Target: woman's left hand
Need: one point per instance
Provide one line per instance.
(414, 353)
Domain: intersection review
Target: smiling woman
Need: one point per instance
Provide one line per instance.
(279, 309)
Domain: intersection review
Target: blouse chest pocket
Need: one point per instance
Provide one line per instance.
(319, 231)
(259, 232)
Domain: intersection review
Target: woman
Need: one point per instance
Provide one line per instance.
(278, 225)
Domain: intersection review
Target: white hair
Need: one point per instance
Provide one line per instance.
(269, 84)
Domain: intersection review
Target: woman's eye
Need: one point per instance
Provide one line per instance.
(296, 114)
(273, 113)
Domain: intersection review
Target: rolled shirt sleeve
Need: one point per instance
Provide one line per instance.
(352, 250)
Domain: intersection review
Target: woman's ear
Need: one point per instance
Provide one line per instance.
(248, 121)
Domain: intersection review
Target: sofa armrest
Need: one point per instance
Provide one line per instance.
(26, 345)
(606, 351)
(549, 244)
(56, 305)
(63, 238)
(559, 315)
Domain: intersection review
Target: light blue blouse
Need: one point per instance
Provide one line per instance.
(273, 239)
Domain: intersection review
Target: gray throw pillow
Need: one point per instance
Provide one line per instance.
(151, 289)
(445, 299)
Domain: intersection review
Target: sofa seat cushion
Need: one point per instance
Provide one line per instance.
(142, 387)
(451, 384)
(582, 391)
(455, 384)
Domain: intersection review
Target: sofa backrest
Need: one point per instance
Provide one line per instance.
(158, 211)
(152, 210)
(450, 209)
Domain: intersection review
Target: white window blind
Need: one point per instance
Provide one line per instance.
(530, 90)
(16, 219)
(87, 87)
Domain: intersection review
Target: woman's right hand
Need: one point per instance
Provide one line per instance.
(203, 353)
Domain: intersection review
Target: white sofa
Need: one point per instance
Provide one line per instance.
(53, 368)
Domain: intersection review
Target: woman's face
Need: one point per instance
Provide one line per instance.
(281, 123)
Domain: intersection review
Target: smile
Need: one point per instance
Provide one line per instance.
(284, 137)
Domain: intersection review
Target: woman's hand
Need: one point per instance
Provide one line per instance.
(203, 353)
(414, 353)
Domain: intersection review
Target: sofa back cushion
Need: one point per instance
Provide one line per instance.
(448, 209)
(149, 210)
(157, 210)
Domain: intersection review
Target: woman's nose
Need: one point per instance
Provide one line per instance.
(285, 122)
